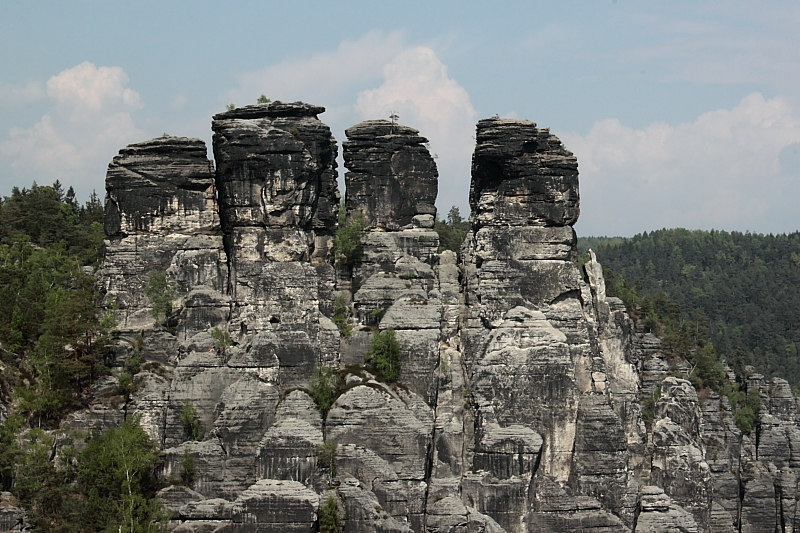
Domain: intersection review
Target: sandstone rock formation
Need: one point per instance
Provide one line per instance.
(391, 178)
(519, 402)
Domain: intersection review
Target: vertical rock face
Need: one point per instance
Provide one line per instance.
(277, 180)
(530, 344)
(391, 176)
(519, 402)
(522, 176)
(162, 218)
(385, 432)
(278, 202)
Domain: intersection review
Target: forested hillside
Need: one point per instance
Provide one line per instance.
(53, 347)
(742, 288)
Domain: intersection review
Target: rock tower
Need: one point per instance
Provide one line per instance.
(519, 402)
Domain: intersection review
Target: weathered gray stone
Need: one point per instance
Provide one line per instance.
(212, 509)
(392, 178)
(660, 515)
(519, 404)
(11, 516)
(678, 464)
(209, 459)
(162, 217)
(174, 497)
(363, 511)
(288, 451)
(275, 506)
(203, 526)
(522, 176)
(276, 168)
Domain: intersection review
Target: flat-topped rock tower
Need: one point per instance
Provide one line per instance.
(519, 402)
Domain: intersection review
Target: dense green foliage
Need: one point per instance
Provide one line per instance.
(110, 486)
(53, 345)
(329, 516)
(584, 243)
(44, 490)
(326, 385)
(116, 476)
(52, 342)
(744, 288)
(384, 355)
(347, 246)
(451, 231)
(47, 217)
(685, 339)
(687, 336)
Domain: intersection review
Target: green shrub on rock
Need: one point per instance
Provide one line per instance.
(222, 339)
(325, 386)
(326, 457)
(191, 424)
(347, 250)
(329, 516)
(747, 415)
(341, 313)
(649, 407)
(160, 293)
(384, 355)
(188, 468)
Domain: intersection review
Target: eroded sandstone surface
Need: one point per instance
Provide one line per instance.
(519, 404)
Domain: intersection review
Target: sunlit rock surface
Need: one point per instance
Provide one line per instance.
(521, 400)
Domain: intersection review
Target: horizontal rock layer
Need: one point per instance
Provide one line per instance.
(519, 405)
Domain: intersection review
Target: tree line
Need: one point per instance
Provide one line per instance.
(742, 289)
(53, 346)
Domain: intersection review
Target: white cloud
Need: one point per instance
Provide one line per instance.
(724, 42)
(86, 90)
(23, 93)
(417, 87)
(90, 120)
(329, 78)
(720, 171)
(415, 84)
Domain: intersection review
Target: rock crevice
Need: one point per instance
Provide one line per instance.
(519, 402)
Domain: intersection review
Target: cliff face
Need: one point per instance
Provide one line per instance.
(518, 406)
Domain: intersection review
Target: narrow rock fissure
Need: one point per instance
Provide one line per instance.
(542, 429)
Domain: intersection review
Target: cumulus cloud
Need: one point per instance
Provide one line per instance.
(90, 119)
(724, 170)
(417, 87)
(369, 78)
(23, 93)
(328, 78)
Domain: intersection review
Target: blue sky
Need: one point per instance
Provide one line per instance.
(681, 114)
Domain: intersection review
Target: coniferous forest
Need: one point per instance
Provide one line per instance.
(53, 346)
(741, 289)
